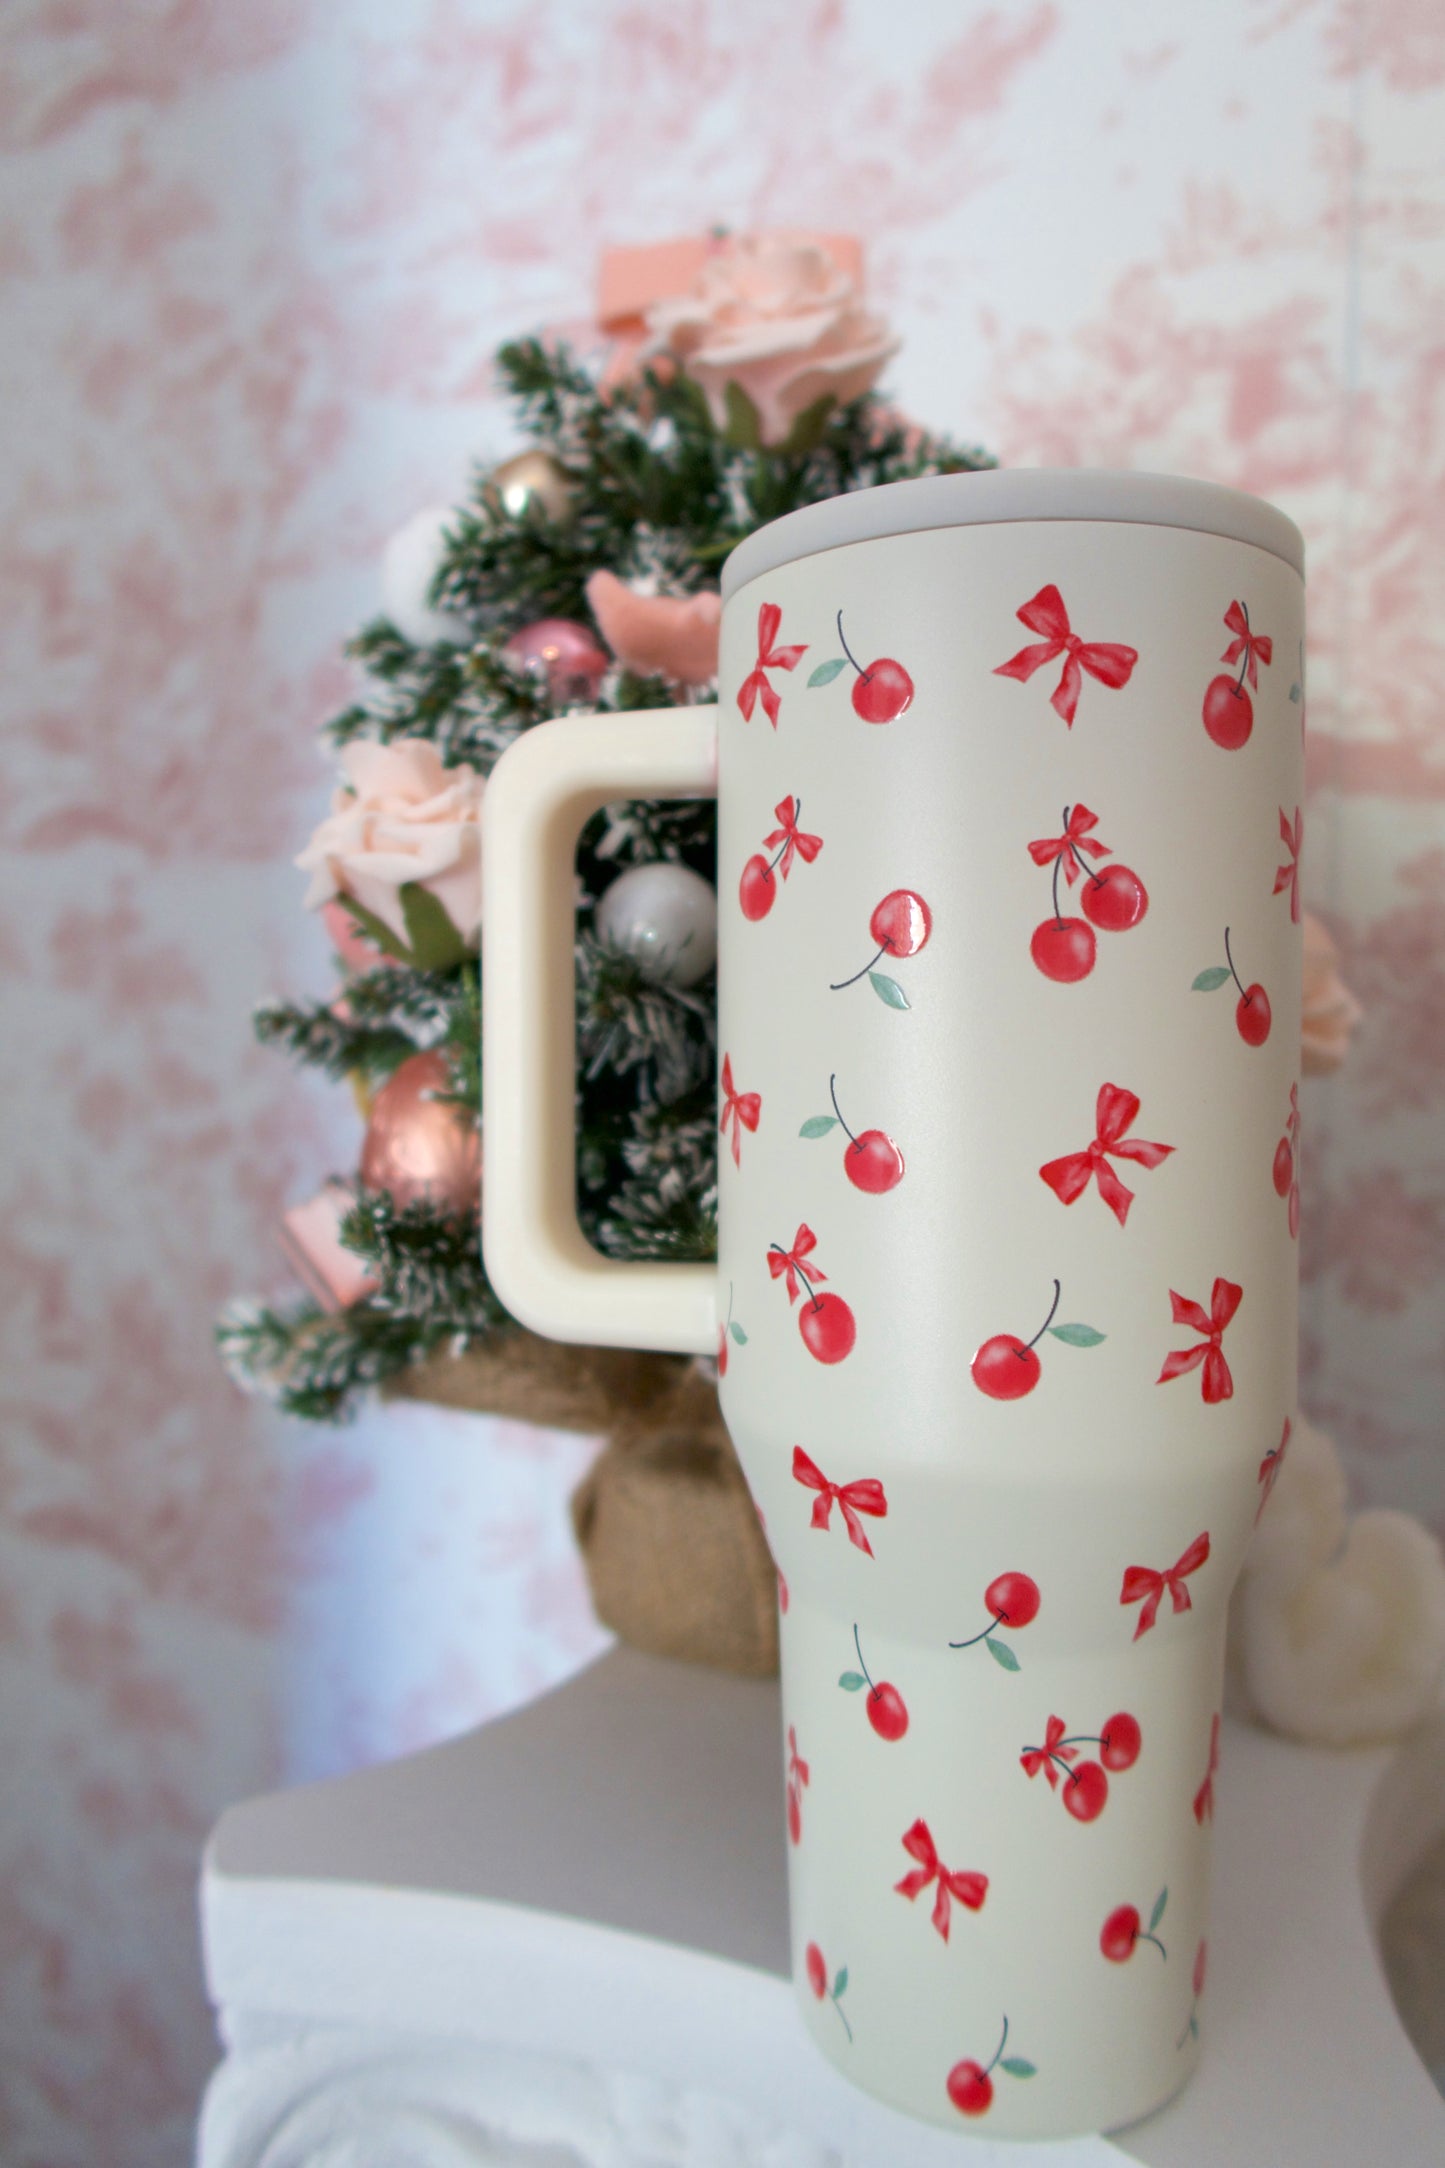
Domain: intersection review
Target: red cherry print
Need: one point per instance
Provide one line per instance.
(795, 1816)
(1086, 1791)
(1005, 1368)
(1283, 1167)
(1118, 1936)
(797, 1779)
(970, 2084)
(722, 1351)
(1114, 899)
(1204, 1797)
(757, 889)
(901, 923)
(871, 1160)
(883, 690)
(1201, 1963)
(1063, 949)
(1228, 709)
(1119, 1741)
(1286, 878)
(1013, 1599)
(970, 2088)
(1228, 713)
(828, 1327)
(1252, 1015)
(887, 1711)
(816, 1969)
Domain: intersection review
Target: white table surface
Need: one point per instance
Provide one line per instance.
(562, 1939)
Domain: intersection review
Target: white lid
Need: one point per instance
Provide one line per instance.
(1014, 493)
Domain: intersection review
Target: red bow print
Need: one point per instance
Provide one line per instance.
(1270, 1466)
(791, 836)
(1293, 838)
(757, 686)
(1143, 1582)
(1070, 844)
(791, 1262)
(1204, 1797)
(1114, 1115)
(1110, 664)
(969, 1889)
(1218, 1384)
(863, 1497)
(742, 1109)
(797, 1767)
(1245, 643)
(1048, 1756)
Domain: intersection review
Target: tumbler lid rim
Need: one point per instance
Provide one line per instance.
(999, 494)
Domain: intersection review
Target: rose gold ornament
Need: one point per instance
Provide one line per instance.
(419, 1146)
(531, 484)
(566, 656)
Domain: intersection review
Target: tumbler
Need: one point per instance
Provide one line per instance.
(1009, 770)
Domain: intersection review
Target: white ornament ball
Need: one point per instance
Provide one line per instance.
(408, 567)
(665, 918)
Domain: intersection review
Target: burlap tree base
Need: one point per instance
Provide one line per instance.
(676, 1559)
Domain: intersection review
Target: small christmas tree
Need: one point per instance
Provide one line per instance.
(580, 575)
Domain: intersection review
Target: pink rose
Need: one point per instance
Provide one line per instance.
(671, 636)
(777, 315)
(1331, 1011)
(402, 817)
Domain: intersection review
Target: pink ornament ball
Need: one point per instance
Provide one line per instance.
(565, 655)
(417, 1145)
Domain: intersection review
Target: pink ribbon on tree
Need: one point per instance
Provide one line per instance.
(866, 1496)
(1114, 1114)
(742, 1109)
(757, 685)
(1246, 645)
(1292, 835)
(970, 1889)
(792, 837)
(1204, 1797)
(1217, 1382)
(1048, 1756)
(1105, 660)
(1143, 1583)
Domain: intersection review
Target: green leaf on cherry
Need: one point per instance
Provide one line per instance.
(840, 1982)
(817, 1125)
(738, 1334)
(852, 1681)
(827, 671)
(435, 943)
(1193, 2027)
(1017, 2067)
(1209, 982)
(744, 430)
(1158, 1913)
(888, 990)
(1076, 1335)
(1001, 1653)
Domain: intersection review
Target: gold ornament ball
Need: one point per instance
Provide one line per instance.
(417, 1145)
(531, 479)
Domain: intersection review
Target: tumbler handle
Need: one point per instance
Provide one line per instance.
(538, 796)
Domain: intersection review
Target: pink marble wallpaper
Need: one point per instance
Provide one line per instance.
(253, 260)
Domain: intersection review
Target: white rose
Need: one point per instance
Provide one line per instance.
(401, 817)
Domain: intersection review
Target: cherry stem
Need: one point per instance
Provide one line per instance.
(861, 1665)
(1085, 1739)
(832, 1094)
(1000, 2048)
(849, 652)
(1058, 914)
(802, 1275)
(1232, 972)
(1244, 665)
(842, 2013)
(1092, 871)
(1021, 1352)
(997, 1620)
(1145, 1936)
(786, 843)
(838, 984)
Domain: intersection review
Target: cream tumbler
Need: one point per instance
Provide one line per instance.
(1009, 771)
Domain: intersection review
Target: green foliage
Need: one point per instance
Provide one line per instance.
(659, 495)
